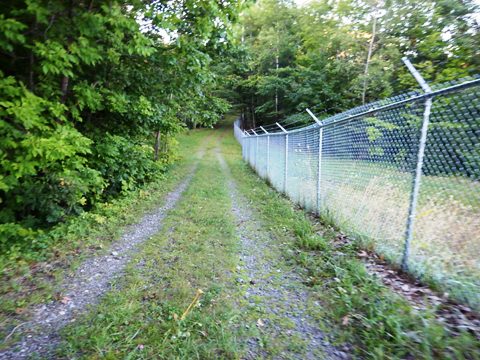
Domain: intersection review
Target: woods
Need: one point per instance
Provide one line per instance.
(92, 94)
(330, 56)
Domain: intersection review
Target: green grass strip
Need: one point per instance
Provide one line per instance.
(29, 279)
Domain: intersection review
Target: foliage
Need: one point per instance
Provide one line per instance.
(315, 55)
(123, 164)
(32, 268)
(84, 86)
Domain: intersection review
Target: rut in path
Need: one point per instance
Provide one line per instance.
(283, 296)
(89, 283)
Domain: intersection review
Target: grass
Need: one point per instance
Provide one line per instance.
(370, 201)
(379, 323)
(29, 279)
(197, 248)
(141, 317)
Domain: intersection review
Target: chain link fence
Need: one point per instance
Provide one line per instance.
(401, 174)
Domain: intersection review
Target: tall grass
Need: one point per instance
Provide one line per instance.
(370, 200)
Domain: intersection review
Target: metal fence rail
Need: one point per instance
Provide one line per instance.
(402, 174)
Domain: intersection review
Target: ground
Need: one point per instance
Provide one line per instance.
(222, 266)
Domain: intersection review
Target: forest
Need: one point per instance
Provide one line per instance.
(93, 93)
(330, 56)
(117, 163)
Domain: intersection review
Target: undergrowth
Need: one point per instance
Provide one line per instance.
(197, 248)
(29, 273)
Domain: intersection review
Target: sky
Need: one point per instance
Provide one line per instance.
(476, 2)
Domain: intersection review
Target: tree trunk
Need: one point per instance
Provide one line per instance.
(65, 79)
(369, 56)
(31, 63)
(276, 87)
(157, 145)
(64, 88)
(253, 111)
(31, 84)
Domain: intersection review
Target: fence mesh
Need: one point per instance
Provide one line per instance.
(358, 169)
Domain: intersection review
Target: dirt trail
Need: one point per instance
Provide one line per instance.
(275, 299)
(274, 291)
(89, 283)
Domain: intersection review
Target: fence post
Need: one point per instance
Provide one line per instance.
(245, 146)
(268, 152)
(319, 175)
(256, 154)
(285, 172)
(320, 147)
(250, 148)
(285, 177)
(268, 157)
(418, 171)
(256, 150)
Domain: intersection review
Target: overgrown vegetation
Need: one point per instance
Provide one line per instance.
(93, 98)
(90, 96)
(198, 248)
(330, 56)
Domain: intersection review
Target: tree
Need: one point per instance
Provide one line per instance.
(337, 55)
(85, 85)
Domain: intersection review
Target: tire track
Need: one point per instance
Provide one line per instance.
(90, 282)
(280, 295)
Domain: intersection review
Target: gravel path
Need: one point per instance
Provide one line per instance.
(275, 292)
(87, 285)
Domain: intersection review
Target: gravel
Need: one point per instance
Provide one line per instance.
(88, 284)
(279, 293)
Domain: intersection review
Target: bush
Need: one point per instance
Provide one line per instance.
(123, 164)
